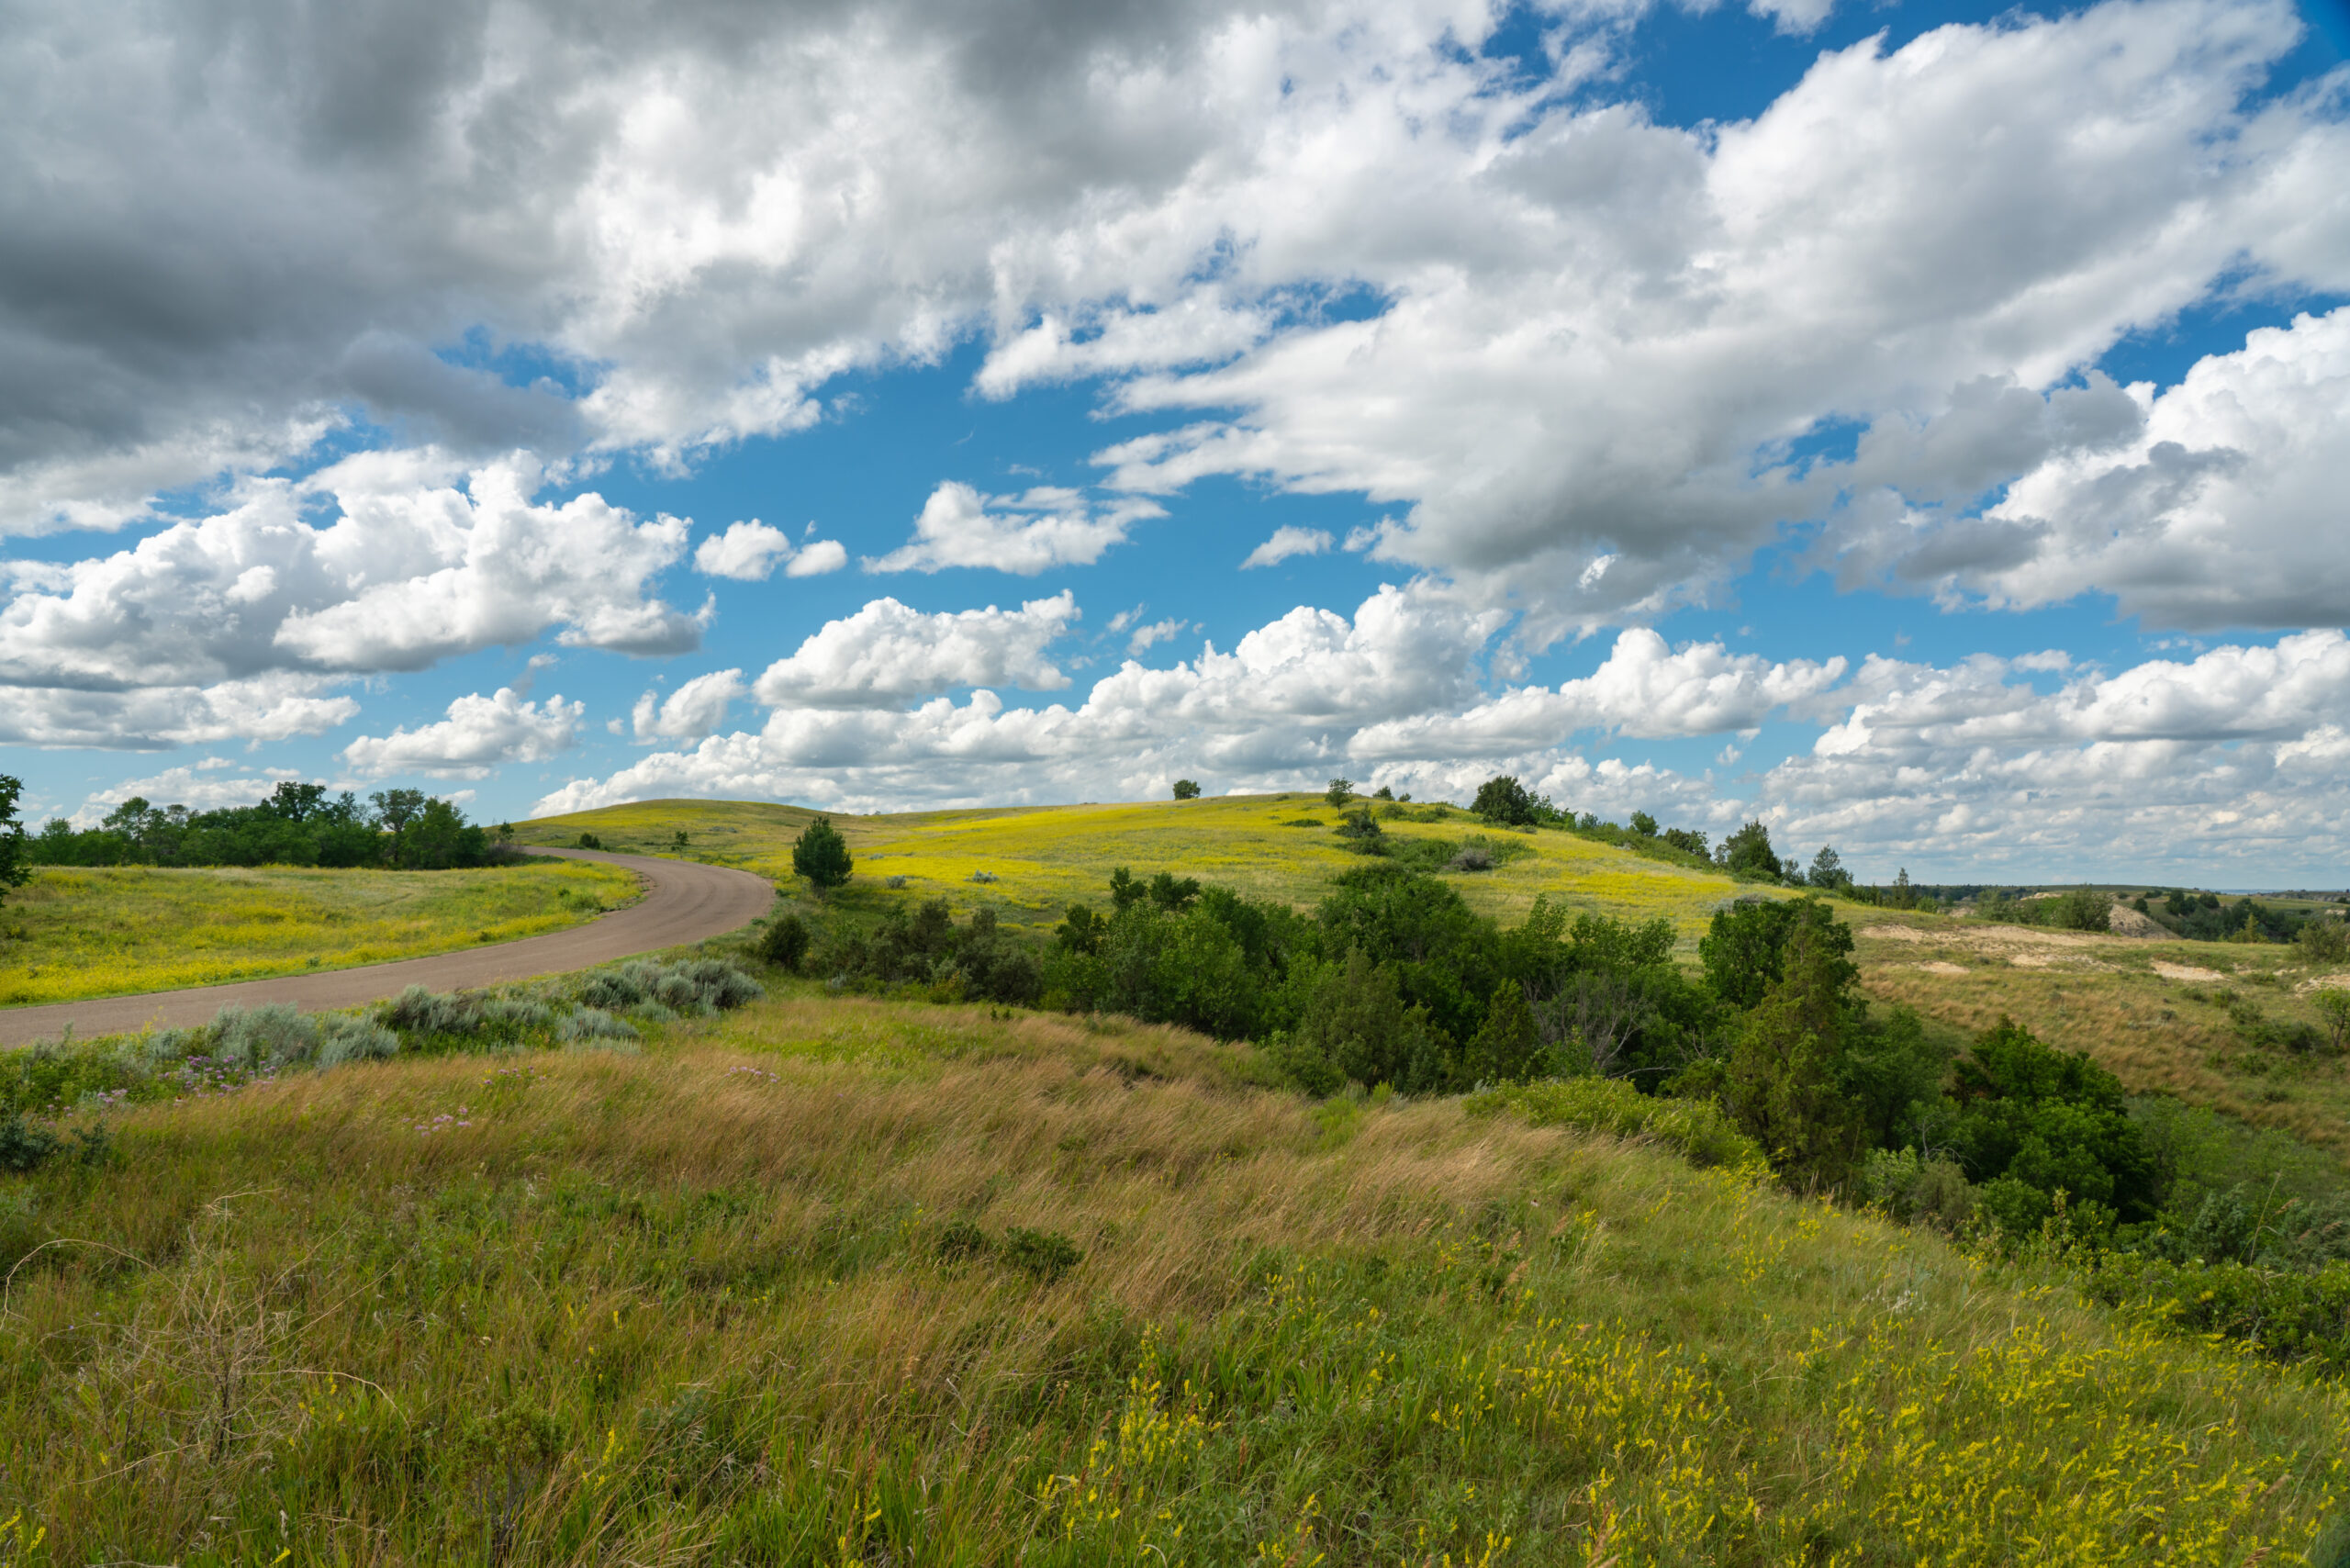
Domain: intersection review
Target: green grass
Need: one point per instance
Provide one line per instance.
(1050, 856)
(107, 932)
(833, 1281)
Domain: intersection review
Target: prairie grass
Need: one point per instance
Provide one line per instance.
(1047, 857)
(2178, 1033)
(770, 1292)
(103, 931)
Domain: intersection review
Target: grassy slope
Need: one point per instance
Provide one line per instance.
(73, 934)
(691, 1306)
(2101, 994)
(1051, 856)
(2161, 1032)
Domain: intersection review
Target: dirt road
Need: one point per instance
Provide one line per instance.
(683, 902)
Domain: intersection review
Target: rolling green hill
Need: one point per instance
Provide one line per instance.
(1276, 846)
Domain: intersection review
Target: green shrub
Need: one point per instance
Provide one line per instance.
(1046, 1254)
(961, 1240)
(785, 941)
(1699, 1129)
(2282, 1314)
(1918, 1191)
(25, 1147)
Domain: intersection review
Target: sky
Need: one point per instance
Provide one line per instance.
(1921, 427)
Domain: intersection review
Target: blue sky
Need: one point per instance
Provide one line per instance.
(1918, 426)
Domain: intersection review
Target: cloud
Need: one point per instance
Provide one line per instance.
(1590, 336)
(691, 711)
(889, 652)
(238, 624)
(1024, 535)
(1147, 637)
(749, 551)
(480, 734)
(1643, 689)
(817, 558)
(266, 708)
(1286, 543)
(206, 786)
(2225, 508)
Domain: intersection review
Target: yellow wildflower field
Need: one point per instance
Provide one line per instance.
(110, 931)
(1046, 858)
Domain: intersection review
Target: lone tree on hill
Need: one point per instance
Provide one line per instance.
(1828, 870)
(821, 856)
(1187, 788)
(13, 870)
(1505, 800)
(1340, 791)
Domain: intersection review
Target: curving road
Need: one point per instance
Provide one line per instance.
(683, 902)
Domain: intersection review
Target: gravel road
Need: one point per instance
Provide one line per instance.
(683, 902)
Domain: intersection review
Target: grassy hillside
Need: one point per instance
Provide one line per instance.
(837, 1280)
(2200, 1020)
(2166, 1016)
(1049, 857)
(107, 932)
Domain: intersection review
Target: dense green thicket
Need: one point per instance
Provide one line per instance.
(1393, 982)
(297, 825)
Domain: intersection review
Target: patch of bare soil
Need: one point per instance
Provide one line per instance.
(2192, 972)
(1942, 968)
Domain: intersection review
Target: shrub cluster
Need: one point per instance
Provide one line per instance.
(52, 1081)
(923, 948)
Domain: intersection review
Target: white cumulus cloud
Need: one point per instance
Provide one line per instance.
(889, 652)
(1288, 541)
(691, 711)
(1022, 534)
(480, 734)
(750, 551)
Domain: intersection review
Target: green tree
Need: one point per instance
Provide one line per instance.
(1644, 824)
(820, 856)
(1781, 1082)
(1507, 1046)
(13, 868)
(1357, 1026)
(1744, 950)
(1502, 800)
(1827, 870)
(1187, 790)
(2334, 1006)
(396, 808)
(1746, 852)
(1340, 791)
(2053, 1121)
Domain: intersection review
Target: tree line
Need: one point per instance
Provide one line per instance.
(298, 824)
